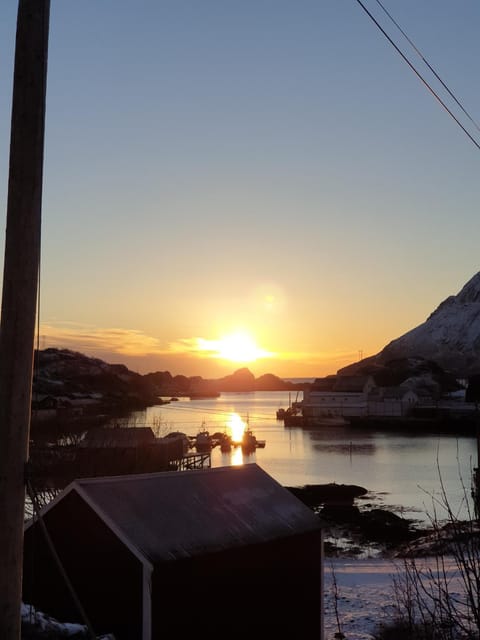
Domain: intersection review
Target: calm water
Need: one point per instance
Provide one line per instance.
(399, 470)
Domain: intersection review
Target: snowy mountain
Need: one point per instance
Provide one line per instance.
(450, 336)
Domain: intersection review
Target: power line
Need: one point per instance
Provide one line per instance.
(429, 66)
(418, 74)
(222, 413)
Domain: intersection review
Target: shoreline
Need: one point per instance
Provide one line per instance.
(355, 533)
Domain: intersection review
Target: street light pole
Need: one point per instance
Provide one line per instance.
(19, 295)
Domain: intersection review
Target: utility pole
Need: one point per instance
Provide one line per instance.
(19, 296)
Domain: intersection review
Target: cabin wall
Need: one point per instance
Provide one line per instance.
(272, 590)
(106, 576)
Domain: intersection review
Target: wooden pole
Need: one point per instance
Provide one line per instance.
(19, 296)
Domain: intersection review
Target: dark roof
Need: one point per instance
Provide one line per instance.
(324, 384)
(351, 384)
(344, 384)
(118, 437)
(173, 515)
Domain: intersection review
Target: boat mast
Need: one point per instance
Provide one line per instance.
(19, 295)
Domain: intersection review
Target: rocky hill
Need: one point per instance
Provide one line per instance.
(450, 337)
(61, 373)
(239, 381)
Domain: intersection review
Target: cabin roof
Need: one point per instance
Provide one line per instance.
(118, 436)
(173, 515)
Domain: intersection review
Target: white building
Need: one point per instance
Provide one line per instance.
(349, 396)
(337, 396)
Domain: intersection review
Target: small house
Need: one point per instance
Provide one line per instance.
(223, 552)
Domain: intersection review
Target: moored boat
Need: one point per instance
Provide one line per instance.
(203, 441)
(249, 442)
(294, 420)
(225, 443)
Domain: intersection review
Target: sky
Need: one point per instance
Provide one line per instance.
(263, 183)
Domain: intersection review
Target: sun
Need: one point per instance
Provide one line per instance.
(235, 347)
(239, 347)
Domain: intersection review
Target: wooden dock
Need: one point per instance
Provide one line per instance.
(193, 461)
(57, 466)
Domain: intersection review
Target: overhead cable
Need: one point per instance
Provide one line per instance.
(429, 66)
(418, 74)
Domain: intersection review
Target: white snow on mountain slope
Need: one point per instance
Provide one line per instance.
(450, 336)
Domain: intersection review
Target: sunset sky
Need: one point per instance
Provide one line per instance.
(260, 183)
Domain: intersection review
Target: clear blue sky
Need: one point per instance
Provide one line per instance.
(261, 165)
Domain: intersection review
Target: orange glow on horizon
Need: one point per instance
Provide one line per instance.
(235, 347)
(197, 356)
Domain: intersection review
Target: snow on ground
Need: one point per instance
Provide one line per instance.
(365, 596)
(36, 624)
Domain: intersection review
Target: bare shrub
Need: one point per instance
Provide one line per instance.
(438, 598)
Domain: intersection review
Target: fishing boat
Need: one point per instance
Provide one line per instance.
(203, 441)
(225, 443)
(250, 442)
(292, 408)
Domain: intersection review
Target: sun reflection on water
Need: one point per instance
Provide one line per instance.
(237, 456)
(237, 427)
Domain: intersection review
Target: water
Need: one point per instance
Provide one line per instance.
(400, 471)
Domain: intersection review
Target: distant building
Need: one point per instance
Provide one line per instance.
(209, 554)
(352, 396)
(337, 396)
(392, 401)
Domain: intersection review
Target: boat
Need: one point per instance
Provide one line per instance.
(284, 414)
(179, 435)
(225, 443)
(203, 441)
(250, 443)
(293, 419)
(292, 409)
